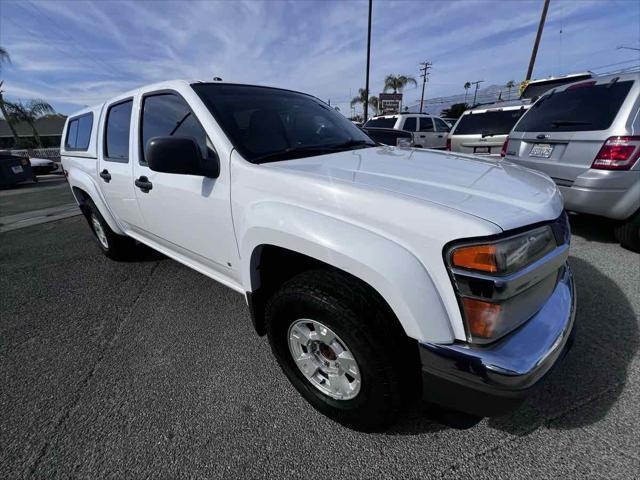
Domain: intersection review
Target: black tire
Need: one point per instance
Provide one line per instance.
(114, 246)
(628, 233)
(387, 360)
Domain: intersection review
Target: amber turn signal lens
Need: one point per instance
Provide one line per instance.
(476, 257)
(482, 317)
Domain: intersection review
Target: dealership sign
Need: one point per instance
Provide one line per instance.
(389, 103)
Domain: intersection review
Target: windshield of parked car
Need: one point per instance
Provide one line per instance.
(488, 123)
(581, 107)
(382, 122)
(269, 124)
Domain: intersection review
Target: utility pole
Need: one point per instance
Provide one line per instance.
(534, 52)
(475, 93)
(366, 88)
(424, 73)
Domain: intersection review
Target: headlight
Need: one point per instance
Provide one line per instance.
(505, 256)
(496, 293)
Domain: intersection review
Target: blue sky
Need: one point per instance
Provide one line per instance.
(79, 53)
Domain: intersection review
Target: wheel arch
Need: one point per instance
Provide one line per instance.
(83, 188)
(310, 239)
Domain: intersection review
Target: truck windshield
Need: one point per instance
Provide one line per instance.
(492, 122)
(269, 124)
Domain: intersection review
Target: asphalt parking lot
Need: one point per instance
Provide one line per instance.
(147, 369)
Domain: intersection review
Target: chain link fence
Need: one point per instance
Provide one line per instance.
(52, 153)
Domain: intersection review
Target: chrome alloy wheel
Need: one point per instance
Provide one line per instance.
(99, 231)
(324, 359)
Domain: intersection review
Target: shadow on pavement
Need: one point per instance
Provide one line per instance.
(595, 368)
(593, 228)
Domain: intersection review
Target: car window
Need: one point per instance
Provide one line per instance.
(117, 132)
(492, 122)
(79, 132)
(426, 124)
(579, 108)
(441, 126)
(168, 114)
(410, 124)
(269, 124)
(381, 122)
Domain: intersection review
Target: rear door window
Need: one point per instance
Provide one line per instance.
(381, 122)
(410, 124)
(579, 108)
(426, 124)
(492, 122)
(79, 132)
(116, 144)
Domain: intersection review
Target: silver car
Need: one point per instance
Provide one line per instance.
(483, 131)
(586, 136)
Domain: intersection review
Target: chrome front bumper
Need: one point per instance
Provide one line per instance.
(490, 380)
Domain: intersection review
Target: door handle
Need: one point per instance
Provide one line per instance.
(105, 175)
(422, 136)
(440, 136)
(144, 184)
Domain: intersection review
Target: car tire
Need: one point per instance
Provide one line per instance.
(628, 233)
(114, 246)
(384, 368)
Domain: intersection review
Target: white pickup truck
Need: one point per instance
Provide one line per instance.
(378, 273)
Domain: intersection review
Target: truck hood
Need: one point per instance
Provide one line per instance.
(499, 192)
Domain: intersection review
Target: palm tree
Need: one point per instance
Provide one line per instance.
(5, 58)
(467, 86)
(362, 99)
(510, 85)
(398, 82)
(374, 103)
(29, 113)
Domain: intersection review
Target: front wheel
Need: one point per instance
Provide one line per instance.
(337, 345)
(628, 233)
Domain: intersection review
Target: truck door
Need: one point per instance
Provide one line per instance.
(427, 134)
(442, 130)
(114, 168)
(188, 214)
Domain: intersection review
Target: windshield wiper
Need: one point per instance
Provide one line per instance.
(568, 123)
(293, 152)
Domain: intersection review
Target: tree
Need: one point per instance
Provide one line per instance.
(362, 98)
(29, 112)
(454, 111)
(398, 82)
(5, 58)
(510, 85)
(467, 86)
(374, 103)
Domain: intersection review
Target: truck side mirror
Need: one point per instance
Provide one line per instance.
(180, 155)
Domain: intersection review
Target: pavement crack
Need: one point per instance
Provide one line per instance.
(87, 378)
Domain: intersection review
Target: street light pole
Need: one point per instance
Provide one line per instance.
(534, 52)
(366, 88)
(424, 73)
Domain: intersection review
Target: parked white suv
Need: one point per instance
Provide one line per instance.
(376, 272)
(483, 131)
(428, 131)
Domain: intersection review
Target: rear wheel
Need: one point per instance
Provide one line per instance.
(337, 344)
(114, 246)
(628, 233)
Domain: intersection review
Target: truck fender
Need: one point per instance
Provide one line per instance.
(83, 181)
(389, 268)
